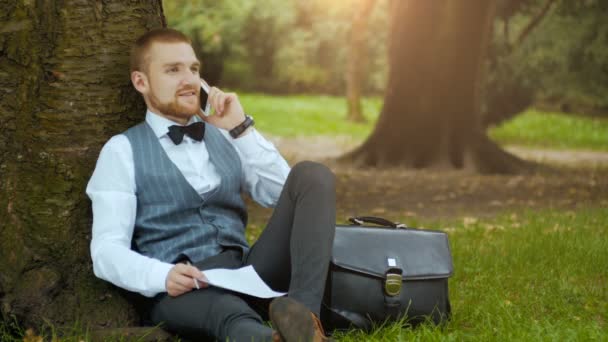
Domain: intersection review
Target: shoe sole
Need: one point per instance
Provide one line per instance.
(292, 320)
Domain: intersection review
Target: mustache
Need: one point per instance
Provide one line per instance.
(188, 88)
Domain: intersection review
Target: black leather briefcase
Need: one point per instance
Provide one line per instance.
(385, 274)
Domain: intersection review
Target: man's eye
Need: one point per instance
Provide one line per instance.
(174, 69)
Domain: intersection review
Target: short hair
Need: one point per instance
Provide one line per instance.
(141, 46)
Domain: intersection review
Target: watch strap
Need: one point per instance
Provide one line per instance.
(238, 130)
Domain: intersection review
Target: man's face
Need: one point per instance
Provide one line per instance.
(173, 81)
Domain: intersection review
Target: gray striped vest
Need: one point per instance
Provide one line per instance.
(172, 219)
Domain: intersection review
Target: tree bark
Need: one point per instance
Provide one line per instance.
(431, 113)
(64, 90)
(357, 61)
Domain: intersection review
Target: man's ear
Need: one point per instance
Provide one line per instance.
(140, 81)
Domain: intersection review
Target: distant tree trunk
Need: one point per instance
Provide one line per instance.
(357, 60)
(64, 90)
(430, 117)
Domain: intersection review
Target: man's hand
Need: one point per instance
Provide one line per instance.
(182, 278)
(228, 110)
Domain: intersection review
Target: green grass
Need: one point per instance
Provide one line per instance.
(307, 115)
(553, 130)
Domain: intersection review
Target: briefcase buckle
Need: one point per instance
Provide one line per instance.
(392, 284)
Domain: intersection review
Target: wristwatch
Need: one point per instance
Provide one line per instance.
(236, 131)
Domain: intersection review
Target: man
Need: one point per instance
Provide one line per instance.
(166, 204)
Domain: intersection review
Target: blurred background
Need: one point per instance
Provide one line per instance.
(553, 57)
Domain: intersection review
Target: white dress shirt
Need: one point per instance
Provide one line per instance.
(112, 191)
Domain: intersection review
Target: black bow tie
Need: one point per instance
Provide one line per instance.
(195, 131)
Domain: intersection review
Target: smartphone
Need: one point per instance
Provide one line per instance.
(204, 97)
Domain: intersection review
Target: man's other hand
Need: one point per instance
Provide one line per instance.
(182, 278)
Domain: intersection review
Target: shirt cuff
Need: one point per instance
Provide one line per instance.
(252, 143)
(158, 278)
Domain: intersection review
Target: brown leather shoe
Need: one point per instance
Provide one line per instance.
(294, 322)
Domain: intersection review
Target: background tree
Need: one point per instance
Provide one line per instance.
(534, 21)
(64, 90)
(264, 33)
(568, 53)
(357, 60)
(547, 54)
(509, 89)
(431, 113)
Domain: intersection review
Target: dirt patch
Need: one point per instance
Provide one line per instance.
(580, 179)
(443, 195)
(315, 148)
(320, 148)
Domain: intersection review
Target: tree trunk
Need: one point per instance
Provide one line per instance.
(430, 117)
(64, 90)
(357, 60)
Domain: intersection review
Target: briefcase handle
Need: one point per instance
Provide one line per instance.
(359, 220)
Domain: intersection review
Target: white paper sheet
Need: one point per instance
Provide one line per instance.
(244, 280)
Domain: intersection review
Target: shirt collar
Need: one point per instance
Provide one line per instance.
(160, 125)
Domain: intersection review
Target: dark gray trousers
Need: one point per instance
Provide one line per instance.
(291, 255)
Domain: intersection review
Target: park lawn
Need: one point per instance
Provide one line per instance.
(553, 130)
(308, 115)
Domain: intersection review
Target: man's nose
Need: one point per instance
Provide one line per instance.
(190, 79)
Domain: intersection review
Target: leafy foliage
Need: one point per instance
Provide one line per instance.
(280, 46)
(563, 62)
(214, 27)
